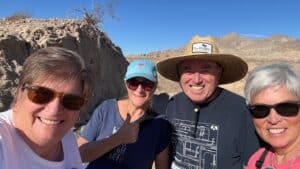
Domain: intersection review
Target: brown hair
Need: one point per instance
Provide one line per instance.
(56, 62)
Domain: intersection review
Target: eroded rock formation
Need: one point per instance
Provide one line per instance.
(19, 38)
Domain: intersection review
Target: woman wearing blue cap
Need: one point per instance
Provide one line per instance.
(126, 133)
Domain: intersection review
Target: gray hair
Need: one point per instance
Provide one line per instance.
(61, 63)
(276, 74)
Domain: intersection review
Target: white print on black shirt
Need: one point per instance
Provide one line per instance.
(195, 149)
(117, 154)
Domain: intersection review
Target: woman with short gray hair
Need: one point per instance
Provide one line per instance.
(273, 95)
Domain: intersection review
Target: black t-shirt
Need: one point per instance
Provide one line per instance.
(154, 136)
(215, 135)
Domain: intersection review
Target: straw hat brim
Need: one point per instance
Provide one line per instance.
(234, 68)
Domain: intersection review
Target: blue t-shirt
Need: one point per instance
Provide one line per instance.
(215, 135)
(154, 136)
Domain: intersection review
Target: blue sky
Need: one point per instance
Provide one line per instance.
(144, 26)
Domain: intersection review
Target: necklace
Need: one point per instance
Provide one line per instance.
(134, 112)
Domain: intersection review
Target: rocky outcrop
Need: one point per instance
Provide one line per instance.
(19, 38)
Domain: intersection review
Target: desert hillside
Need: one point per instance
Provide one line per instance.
(19, 38)
(277, 48)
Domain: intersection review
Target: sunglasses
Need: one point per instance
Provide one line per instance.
(284, 109)
(43, 95)
(134, 83)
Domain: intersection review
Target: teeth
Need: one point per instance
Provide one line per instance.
(50, 122)
(276, 131)
(197, 87)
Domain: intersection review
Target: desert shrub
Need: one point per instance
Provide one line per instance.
(99, 11)
(18, 16)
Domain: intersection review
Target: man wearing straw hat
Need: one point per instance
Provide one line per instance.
(212, 126)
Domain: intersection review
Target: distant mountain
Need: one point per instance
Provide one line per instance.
(255, 51)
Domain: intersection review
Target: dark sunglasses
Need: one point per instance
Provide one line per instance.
(286, 109)
(43, 95)
(134, 83)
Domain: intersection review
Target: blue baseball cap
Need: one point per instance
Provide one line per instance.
(141, 68)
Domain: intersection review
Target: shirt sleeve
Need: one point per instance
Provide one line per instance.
(1, 145)
(92, 129)
(1, 151)
(164, 136)
(1, 154)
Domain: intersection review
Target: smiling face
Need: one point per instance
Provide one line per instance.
(199, 79)
(42, 125)
(140, 96)
(282, 133)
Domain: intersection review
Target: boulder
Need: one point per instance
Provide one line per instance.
(20, 38)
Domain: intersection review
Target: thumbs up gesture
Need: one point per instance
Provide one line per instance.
(128, 133)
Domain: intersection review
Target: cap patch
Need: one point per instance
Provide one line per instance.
(141, 68)
(202, 48)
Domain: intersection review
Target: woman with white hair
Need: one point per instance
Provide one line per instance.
(273, 96)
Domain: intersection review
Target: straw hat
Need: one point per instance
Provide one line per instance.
(204, 48)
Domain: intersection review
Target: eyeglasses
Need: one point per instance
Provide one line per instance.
(43, 95)
(134, 83)
(285, 109)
